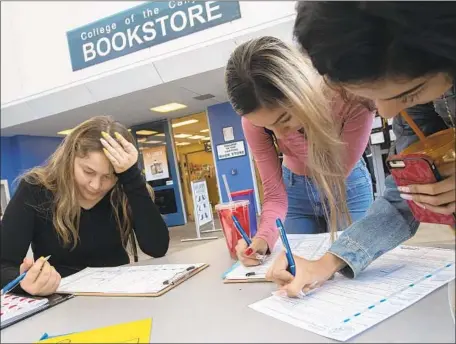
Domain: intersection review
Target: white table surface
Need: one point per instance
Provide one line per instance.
(203, 309)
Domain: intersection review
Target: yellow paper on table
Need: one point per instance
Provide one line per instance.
(131, 332)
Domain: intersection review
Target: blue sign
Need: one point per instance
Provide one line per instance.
(144, 26)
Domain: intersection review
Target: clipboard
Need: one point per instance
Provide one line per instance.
(172, 283)
(53, 301)
(248, 279)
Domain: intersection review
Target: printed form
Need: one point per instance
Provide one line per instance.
(124, 279)
(343, 308)
(309, 246)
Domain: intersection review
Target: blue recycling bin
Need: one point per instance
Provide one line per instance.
(249, 196)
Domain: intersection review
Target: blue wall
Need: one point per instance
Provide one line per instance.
(7, 167)
(20, 153)
(221, 116)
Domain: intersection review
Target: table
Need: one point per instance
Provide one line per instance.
(203, 309)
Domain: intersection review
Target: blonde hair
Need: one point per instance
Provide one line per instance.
(266, 73)
(57, 176)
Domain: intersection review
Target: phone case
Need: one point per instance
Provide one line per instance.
(419, 169)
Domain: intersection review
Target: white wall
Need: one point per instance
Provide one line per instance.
(35, 59)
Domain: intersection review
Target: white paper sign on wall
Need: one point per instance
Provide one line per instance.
(230, 150)
(228, 134)
(203, 209)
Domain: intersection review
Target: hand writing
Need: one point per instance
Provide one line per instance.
(309, 274)
(41, 279)
(247, 255)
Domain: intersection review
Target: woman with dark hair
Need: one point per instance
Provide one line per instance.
(401, 55)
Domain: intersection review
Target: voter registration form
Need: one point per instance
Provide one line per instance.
(343, 308)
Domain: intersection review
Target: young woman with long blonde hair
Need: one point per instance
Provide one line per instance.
(84, 207)
(323, 183)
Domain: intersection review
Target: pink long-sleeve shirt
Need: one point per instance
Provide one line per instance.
(357, 124)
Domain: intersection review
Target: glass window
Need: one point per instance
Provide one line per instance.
(152, 142)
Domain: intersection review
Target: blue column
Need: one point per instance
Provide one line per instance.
(221, 116)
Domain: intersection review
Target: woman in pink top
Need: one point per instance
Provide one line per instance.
(323, 177)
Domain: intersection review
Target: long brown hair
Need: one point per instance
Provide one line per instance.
(57, 176)
(265, 72)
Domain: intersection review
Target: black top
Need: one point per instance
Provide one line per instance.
(28, 219)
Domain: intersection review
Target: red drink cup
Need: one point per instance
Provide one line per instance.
(225, 211)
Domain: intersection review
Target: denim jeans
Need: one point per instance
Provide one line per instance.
(305, 213)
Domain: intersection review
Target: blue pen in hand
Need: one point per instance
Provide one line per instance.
(241, 231)
(291, 262)
(11, 285)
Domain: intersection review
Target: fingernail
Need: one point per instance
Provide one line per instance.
(421, 205)
(407, 197)
(105, 150)
(104, 134)
(249, 251)
(404, 189)
(117, 135)
(42, 258)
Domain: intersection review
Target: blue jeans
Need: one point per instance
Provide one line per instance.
(305, 211)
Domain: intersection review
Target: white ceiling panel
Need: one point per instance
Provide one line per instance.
(16, 114)
(126, 81)
(194, 62)
(54, 103)
(133, 108)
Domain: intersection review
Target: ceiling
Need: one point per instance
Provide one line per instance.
(133, 108)
(152, 136)
(177, 78)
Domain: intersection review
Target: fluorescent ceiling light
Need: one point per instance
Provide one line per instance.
(182, 136)
(197, 137)
(65, 132)
(146, 132)
(180, 124)
(152, 141)
(204, 131)
(182, 143)
(143, 139)
(161, 134)
(168, 107)
(207, 138)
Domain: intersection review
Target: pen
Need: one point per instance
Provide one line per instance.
(291, 262)
(241, 230)
(179, 276)
(11, 285)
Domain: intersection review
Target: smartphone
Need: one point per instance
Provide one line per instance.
(418, 169)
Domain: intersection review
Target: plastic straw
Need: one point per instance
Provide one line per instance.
(227, 188)
(414, 127)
